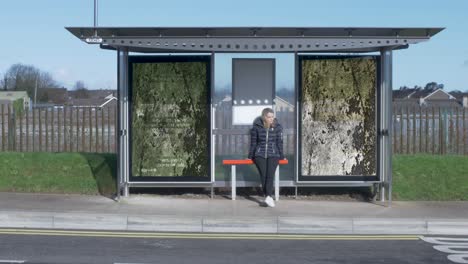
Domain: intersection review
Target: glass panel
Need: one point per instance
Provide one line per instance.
(338, 116)
(233, 141)
(170, 119)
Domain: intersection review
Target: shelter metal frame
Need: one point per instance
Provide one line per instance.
(212, 40)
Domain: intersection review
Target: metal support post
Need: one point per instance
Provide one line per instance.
(277, 183)
(123, 168)
(386, 123)
(233, 182)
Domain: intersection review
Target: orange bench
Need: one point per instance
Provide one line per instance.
(234, 163)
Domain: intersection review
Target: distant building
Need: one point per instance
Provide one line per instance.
(51, 97)
(281, 105)
(8, 97)
(416, 97)
(93, 98)
(461, 97)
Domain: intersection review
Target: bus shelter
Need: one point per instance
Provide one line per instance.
(176, 125)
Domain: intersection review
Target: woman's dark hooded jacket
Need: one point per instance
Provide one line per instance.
(266, 143)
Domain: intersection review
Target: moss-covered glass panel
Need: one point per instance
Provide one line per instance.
(170, 119)
(338, 120)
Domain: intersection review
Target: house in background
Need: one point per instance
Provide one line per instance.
(51, 97)
(418, 97)
(8, 97)
(60, 97)
(92, 98)
(461, 97)
(281, 105)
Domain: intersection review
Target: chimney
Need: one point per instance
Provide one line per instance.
(465, 101)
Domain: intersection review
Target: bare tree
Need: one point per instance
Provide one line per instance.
(3, 83)
(20, 77)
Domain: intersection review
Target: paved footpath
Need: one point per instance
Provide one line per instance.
(221, 215)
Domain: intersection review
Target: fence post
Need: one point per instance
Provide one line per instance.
(441, 133)
(97, 128)
(52, 135)
(46, 129)
(427, 132)
(420, 129)
(59, 130)
(83, 127)
(414, 130)
(40, 130)
(401, 130)
(65, 147)
(394, 132)
(21, 131)
(102, 130)
(27, 130)
(3, 127)
(11, 128)
(450, 132)
(108, 128)
(407, 131)
(34, 130)
(90, 130)
(71, 145)
(433, 131)
(456, 125)
(464, 132)
(78, 130)
(446, 134)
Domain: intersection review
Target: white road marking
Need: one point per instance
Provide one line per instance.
(456, 247)
(450, 249)
(12, 261)
(458, 258)
(446, 240)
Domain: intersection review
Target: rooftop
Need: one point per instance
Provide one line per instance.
(252, 39)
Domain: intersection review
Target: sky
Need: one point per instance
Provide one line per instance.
(33, 32)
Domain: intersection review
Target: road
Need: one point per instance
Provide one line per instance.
(54, 246)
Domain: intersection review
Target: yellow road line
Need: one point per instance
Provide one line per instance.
(202, 235)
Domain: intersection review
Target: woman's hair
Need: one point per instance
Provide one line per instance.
(265, 112)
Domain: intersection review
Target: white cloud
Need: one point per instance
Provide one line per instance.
(63, 77)
(61, 73)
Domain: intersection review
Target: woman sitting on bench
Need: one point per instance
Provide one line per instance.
(266, 149)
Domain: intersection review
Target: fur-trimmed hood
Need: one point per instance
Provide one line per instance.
(259, 122)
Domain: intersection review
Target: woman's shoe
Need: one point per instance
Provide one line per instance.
(269, 201)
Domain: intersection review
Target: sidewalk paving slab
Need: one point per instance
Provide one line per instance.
(314, 225)
(162, 223)
(221, 215)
